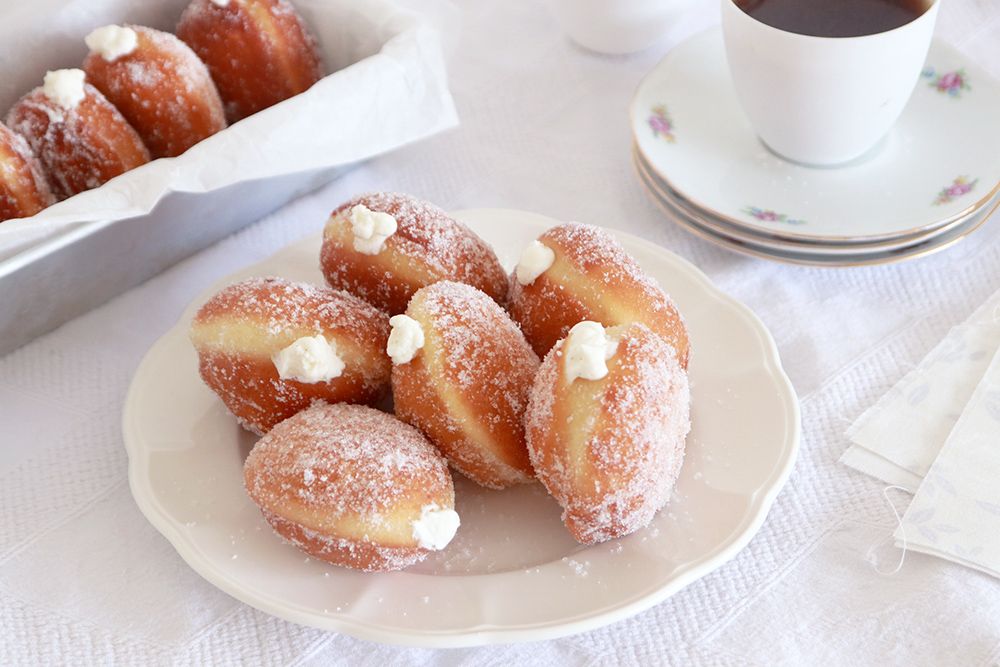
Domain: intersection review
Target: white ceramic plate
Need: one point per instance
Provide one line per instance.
(512, 573)
(699, 224)
(940, 161)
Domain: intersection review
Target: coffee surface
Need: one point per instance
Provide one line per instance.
(834, 18)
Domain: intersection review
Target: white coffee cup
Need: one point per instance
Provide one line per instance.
(616, 26)
(823, 100)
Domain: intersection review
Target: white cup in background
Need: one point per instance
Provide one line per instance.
(616, 26)
(823, 100)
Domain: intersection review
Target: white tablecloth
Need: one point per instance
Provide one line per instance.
(84, 578)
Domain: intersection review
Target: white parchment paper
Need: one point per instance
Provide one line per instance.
(387, 87)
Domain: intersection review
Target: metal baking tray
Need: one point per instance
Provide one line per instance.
(64, 277)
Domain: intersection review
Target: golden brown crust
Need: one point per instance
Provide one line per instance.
(467, 388)
(259, 52)
(428, 246)
(592, 278)
(81, 148)
(609, 450)
(240, 329)
(251, 390)
(24, 189)
(346, 483)
(162, 89)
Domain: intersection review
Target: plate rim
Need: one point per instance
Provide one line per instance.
(789, 235)
(758, 508)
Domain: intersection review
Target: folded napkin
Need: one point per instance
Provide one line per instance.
(956, 511)
(899, 437)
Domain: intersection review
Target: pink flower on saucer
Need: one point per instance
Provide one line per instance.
(660, 123)
(767, 215)
(960, 186)
(950, 83)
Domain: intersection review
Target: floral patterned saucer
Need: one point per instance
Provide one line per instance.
(811, 254)
(938, 165)
(738, 233)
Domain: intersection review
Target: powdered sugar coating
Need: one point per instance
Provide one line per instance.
(163, 90)
(609, 451)
(281, 305)
(24, 190)
(345, 483)
(259, 52)
(79, 148)
(467, 389)
(239, 330)
(593, 278)
(428, 246)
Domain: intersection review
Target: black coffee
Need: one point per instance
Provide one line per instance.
(834, 18)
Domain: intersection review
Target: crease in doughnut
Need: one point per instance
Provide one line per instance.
(427, 246)
(478, 451)
(354, 487)
(610, 449)
(241, 333)
(293, 47)
(466, 386)
(591, 277)
(259, 52)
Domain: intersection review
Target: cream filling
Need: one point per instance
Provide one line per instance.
(112, 41)
(587, 350)
(309, 359)
(405, 339)
(535, 260)
(436, 527)
(371, 229)
(65, 87)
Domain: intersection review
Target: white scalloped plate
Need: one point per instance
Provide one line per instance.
(512, 573)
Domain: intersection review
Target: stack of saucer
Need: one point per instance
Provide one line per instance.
(933, 180)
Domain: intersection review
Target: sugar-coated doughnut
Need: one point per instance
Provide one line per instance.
(24, 188)
(461, 374)
(577, 272)
(259, 52)
(606, 424)
(269, 347)
(159, 85)
(353, 486)
(80, 138)
(385, 246)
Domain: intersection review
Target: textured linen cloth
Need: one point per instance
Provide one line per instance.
(84, 579)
